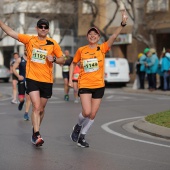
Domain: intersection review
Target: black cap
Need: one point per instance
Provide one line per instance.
(42, 22)
(93, 29)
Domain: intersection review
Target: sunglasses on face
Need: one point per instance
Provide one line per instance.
(45, 27)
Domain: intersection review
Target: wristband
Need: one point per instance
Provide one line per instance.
(123, 25)
(54, 59)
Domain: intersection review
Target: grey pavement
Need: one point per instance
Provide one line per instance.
(141, 125)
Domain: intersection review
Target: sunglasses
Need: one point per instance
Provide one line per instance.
(45, 27)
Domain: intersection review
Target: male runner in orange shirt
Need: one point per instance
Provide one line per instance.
(41, 53)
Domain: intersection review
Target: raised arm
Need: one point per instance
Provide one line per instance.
(9, 31)
(118, 30)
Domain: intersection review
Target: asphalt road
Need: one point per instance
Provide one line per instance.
(114, 144)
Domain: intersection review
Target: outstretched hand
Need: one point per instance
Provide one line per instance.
(124, 16)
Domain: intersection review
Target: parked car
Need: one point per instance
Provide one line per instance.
(117, 70)
(4, 73)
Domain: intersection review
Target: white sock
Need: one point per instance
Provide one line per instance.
(81, 119)
(87, 126)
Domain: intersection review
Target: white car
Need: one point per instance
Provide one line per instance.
(117, 70)
(4, 73)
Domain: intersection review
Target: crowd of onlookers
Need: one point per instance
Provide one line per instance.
(149, 66)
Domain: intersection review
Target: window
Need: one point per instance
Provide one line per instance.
(157, 6)
(87, 8)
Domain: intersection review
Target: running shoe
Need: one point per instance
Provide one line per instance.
(37, 140)
(82, 142)
(14, 101)
(66, 97)
(75, 134)
(20, 106)
(26, 116)
(76, 101)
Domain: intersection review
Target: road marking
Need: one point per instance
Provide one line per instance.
(57, 88)
(53, 97)
(109, 97)
(3, 113)
(107, 129)
(56, 102)
(7, 98)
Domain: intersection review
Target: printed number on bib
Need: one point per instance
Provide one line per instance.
(90, 65)
(65, 68)
(39, 56)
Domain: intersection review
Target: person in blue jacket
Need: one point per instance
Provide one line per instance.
(142, 61)
(153, 67)
(148, 71)
(165, 67)
(161, 81)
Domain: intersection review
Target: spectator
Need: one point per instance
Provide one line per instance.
(154, 68)
(165, 67)
(142, 61)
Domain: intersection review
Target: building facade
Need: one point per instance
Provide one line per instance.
(148, 25)
(22, 16)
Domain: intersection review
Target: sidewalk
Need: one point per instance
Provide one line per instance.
(129, 88)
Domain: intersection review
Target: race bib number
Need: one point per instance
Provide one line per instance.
(65, 68)
(90, 65)
(39, 56)
(17, 70)
(75, 76)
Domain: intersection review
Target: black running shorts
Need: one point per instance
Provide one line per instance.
(21, 87)
(14, 77)
(45, 89)
(65, 75)
(96, 93)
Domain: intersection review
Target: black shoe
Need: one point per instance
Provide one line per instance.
(37, 140)
(20, 106)
(82, 142)
(75, 134)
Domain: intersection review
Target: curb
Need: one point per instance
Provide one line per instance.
(145, 91)
(152, 129)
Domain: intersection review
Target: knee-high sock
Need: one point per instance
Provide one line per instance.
(87, 126)
(81, 119)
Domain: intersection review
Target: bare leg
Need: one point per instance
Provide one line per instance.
(38, 109)
(28, 103)
(66, 86)
(14, 89)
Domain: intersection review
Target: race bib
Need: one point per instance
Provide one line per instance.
(39, 56)
(90, 65)
(65, 68)
(75, 76)
(17, 70)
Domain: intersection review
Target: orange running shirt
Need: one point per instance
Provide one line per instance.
(91, 65)
(38, 68)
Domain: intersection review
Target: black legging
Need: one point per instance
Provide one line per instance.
(142, 79)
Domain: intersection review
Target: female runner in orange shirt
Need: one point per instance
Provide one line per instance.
(91, 79)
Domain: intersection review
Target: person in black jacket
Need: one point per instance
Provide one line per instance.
(65, 73)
